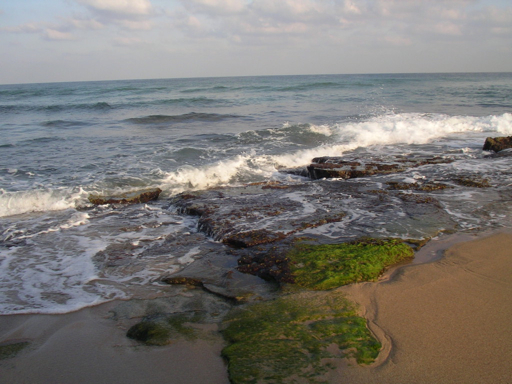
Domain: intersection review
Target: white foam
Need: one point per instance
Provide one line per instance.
(189, 257)
(407, 128)
(217, 174)
(321, 129)
(39, 200)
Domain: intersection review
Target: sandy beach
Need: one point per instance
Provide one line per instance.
(447, 321)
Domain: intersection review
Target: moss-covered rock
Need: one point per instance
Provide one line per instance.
(8, 350)
(162, 329)
(329, 266)
(288, 338)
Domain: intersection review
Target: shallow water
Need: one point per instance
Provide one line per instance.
(61, 142)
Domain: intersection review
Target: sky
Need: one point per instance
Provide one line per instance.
(83, 40)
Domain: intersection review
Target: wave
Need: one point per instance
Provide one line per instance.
(193, 116)
(216, 88)
(63, 123)
(191, 101)
(311, 86)
(337, 139)
(41, 200)
(16, 108)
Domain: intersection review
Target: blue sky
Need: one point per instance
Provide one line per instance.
(77, 40)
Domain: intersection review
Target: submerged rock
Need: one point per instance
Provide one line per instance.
(163, 328)
(11, 349)
(473, 182)
(257, 213)
(288, 338)
(497, 144)
(135, 197)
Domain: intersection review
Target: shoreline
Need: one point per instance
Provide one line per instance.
(443, 320)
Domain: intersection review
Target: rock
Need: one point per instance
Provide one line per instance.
(473, 182)
(252, 238)
(344, 168)
(135, 197)
(258, 213)
(497, 144)
(161, 329)
(11, 349)
(183, 281)
(326, 266)
(427, 187)
(293, 336)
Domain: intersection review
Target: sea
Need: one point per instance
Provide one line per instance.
(61, 142)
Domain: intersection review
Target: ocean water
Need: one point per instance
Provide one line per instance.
(62, 141)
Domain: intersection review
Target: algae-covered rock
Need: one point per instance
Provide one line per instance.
(162, 329)
(135, 197)
(329, 266)
(281, 340)
(8, 350)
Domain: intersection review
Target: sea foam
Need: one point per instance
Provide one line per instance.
(39, 200)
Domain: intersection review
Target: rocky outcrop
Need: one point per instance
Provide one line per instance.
(497, 144)
(341, 167)
(134, 197)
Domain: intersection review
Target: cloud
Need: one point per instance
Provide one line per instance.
(86, 24)
(218, 7)
(128, 14)
(53, 34)
(119, 8)
(24, 28)
(398, 22)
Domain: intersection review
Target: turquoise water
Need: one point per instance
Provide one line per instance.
(62, 141)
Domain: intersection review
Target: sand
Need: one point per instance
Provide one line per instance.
(447, 321)
(89, 347)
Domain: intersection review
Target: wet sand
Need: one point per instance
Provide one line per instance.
(87, 347)
(448, 321)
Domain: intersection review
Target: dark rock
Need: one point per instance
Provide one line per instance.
(473, 182)
(135, 197)
(256, 214)
(497, 144)
(252, 238)
(344, 168)
(183, 280)
(428, 187)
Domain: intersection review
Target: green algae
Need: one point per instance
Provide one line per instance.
(290, 338)
(162, 329)
(328, 266)
(11, 350)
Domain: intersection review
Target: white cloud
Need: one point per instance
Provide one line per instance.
(119, 8)
(24, 28)
(87, 24)
(128, 14)
(220, 7)
(53, 34)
